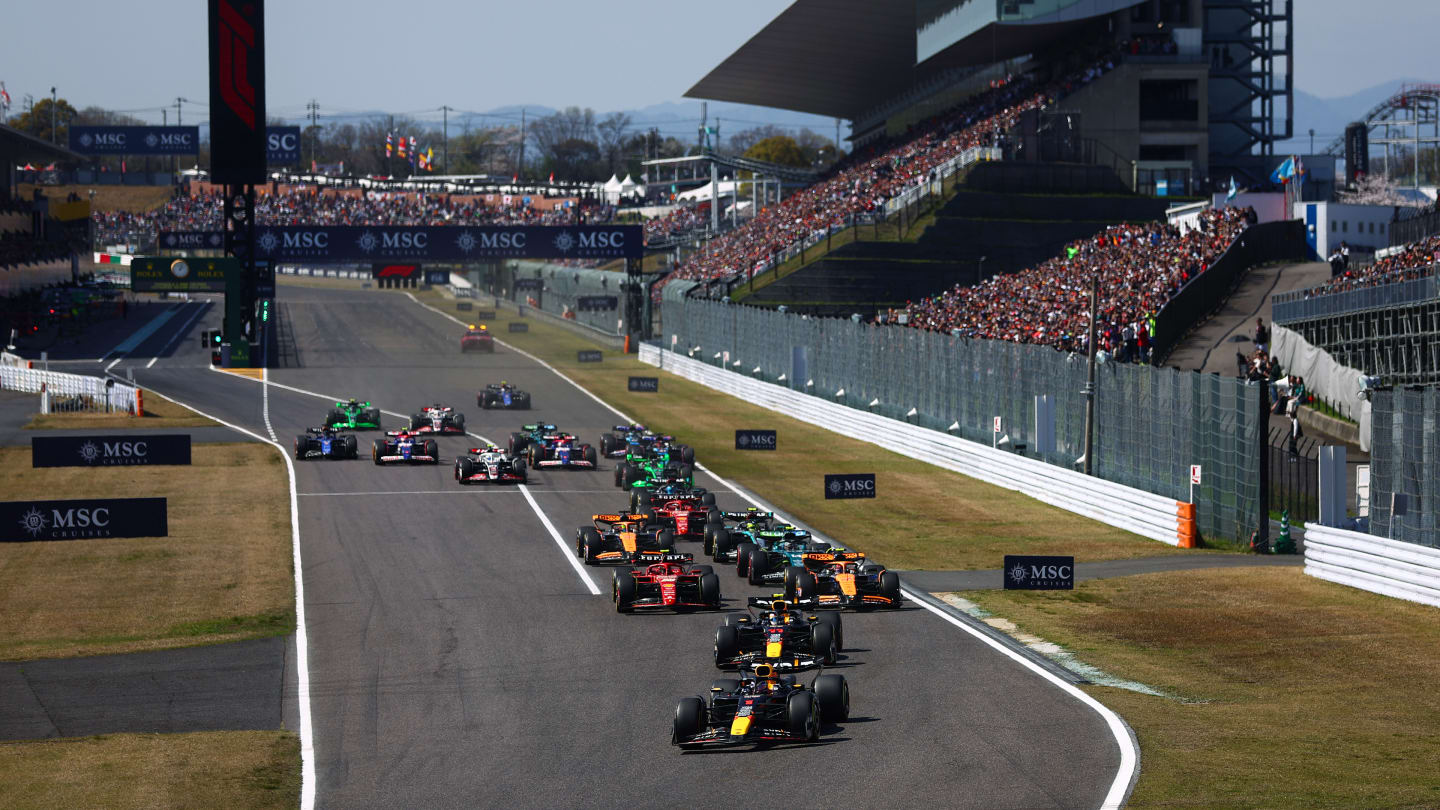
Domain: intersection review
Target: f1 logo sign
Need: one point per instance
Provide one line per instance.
(237, 39)
(395, 270)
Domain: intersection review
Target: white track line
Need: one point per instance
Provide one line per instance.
(525, 490)
(302, 643)
(1129, 752)
(181, 331)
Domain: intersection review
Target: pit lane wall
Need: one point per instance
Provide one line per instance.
(1388, 567)
(1148, 515)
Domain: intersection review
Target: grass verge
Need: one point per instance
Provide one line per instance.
(1289, 691)
(949, 521)
(159, 413)
(249, 770)
(223, 574)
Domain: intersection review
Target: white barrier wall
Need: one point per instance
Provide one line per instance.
(1134, 510)
(69, 391)
(1388, 567)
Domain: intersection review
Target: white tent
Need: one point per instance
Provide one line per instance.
(705, 192)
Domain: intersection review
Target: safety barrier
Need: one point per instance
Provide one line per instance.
(1148, 515)
(70, 392)
(1387, 567)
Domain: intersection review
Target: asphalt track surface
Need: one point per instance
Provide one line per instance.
(457, 659)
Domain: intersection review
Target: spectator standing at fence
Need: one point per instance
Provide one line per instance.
(1262, 335)
(1292, 410)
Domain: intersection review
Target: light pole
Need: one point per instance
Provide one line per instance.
(1312, 141)
(53, 101)
(1090, 378)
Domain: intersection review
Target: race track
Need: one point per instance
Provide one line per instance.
(457, 659)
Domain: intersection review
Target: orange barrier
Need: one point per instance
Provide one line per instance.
(627, 344)
(1185, 530)
(139, 402)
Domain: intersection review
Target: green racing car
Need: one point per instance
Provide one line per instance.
(353, 415)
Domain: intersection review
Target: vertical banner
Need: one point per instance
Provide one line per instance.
(237, 91)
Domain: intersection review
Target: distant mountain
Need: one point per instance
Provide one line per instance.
(1328, 116)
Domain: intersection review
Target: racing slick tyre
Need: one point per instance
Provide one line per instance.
(833, 693)
(805, 585)
(702, 569)
(665, 538)
(727, 644)
(758, 567)
(687, 454)
(687, 472)
(801, 717)
(464, 468)
(710, 589)
(726, 686)
(352, 447)
(712, 536)
(822, 643)
(300, 443)
(334, 418)
(372, 416)
(708, 499)
(689, 719)
(724, 543)
(890, 586)
(416, 420)
(714, 518)
(624, 589)
(517, 443)
(432, 449)
(591, 456)
(742, 558)
(619, 473)
(521, 471)
(629, 475)
(732, 619)
(605, 443)
(459, 422)
(532, 455)
(587, 543)
(832, 618)
(640, 499)
(377, 450)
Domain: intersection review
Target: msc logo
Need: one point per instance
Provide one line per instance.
(115, 453)
(104, 139)
(1039, 573)
(503, 240)
(602, 240)
(849, 485)
(62, 523)
(404, 240)
(302, 240)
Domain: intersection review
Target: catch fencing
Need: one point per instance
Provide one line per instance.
(69, 392)
(565, 286)
(1405, 465)
(1151, 424)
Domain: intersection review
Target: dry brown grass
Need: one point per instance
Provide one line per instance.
(159, 413)
(253, 770)
(925, 517)
(223, 574)
(1294, 692)
(107, 198)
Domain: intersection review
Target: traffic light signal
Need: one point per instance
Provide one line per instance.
(211, 338)
(264, 310)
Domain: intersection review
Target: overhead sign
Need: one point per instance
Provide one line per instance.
(453, 243)
(191, 240)
(109, 451)
(843, 486)
(1039, 573)
(25, 521)
(754, 440)
(590, 356)
(237, 91)
(593, 303)
(389, 270)
(645, 384)
(181, 274)
(437, 276)
(282, 145)
(135, 140)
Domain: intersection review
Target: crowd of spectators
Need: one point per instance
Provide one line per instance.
(1139, 268)
(862, 183)
(310, 206)
(1417, 260)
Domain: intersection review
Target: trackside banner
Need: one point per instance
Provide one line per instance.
(135, 140)
(754, 440)
(25, 521)
(109, 451)
(455, 243)
(1037, 573)
(843, 486)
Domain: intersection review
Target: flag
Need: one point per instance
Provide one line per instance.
(312, 166)
(389, 143)
(552, 177)
(430, 158)
(400, 146)
(1233, 190)
(1300, 172)
(4, 98)
(515, 179)
(1284, 172)
(423, 161)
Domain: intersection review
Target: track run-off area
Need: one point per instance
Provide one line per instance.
(457, 655)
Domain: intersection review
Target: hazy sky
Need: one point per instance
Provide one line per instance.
(413, 57)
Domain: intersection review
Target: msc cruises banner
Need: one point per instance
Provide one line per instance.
(135, 140)
(456, 243)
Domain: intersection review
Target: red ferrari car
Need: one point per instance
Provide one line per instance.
(477, 339)
(671, 581)
(686, 517)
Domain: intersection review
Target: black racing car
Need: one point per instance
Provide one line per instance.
(322, 442)
(777, 634)
(762, 706)
(503, 395)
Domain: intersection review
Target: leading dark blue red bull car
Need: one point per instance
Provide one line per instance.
(762, 706)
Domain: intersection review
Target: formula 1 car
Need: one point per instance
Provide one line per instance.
(683, 510)
(521, 440)
(761, 707)
(779, 635)
(618, 444)
(670, 581)
(404, 446)
(562, 450)
(620, 539)
(724, 535)
(477, 339)
(353, 415)
(842, 579)
(652, 473)
(503, 395)
(775, 554)
(489, 464)
(326, 443)
(437, 418)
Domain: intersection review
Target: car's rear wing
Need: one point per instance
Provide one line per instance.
(662, 556)
(833, 556)
(629, 428)
(615, 518)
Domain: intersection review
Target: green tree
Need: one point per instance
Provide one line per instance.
(781, 149)
(36, 120)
